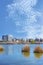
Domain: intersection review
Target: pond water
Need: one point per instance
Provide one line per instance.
(12, 55)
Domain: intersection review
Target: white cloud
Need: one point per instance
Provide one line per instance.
(24, 15)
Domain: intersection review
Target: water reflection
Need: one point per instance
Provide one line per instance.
(38, 55)
(10, 50)
(1, 49)
(26, 54)
(7, 49)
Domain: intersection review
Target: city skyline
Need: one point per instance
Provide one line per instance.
(22, 19)
(6, 36)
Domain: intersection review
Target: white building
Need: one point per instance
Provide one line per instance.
(7, 38)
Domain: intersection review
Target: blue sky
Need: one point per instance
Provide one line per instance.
(21, 18)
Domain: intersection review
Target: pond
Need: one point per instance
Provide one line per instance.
(12, 55)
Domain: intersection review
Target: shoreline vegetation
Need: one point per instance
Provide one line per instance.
(17, 42)
(10, 42)
(21, 42)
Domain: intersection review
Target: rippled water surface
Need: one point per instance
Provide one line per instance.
(12, 55)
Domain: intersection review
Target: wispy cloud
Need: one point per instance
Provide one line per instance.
(24, 15)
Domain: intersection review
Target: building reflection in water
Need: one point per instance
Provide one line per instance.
(38, 55)
(26, 54)
(8, 49)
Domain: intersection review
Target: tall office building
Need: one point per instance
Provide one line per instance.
(7, 38)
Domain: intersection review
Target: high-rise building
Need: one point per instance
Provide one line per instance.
(7, 38)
